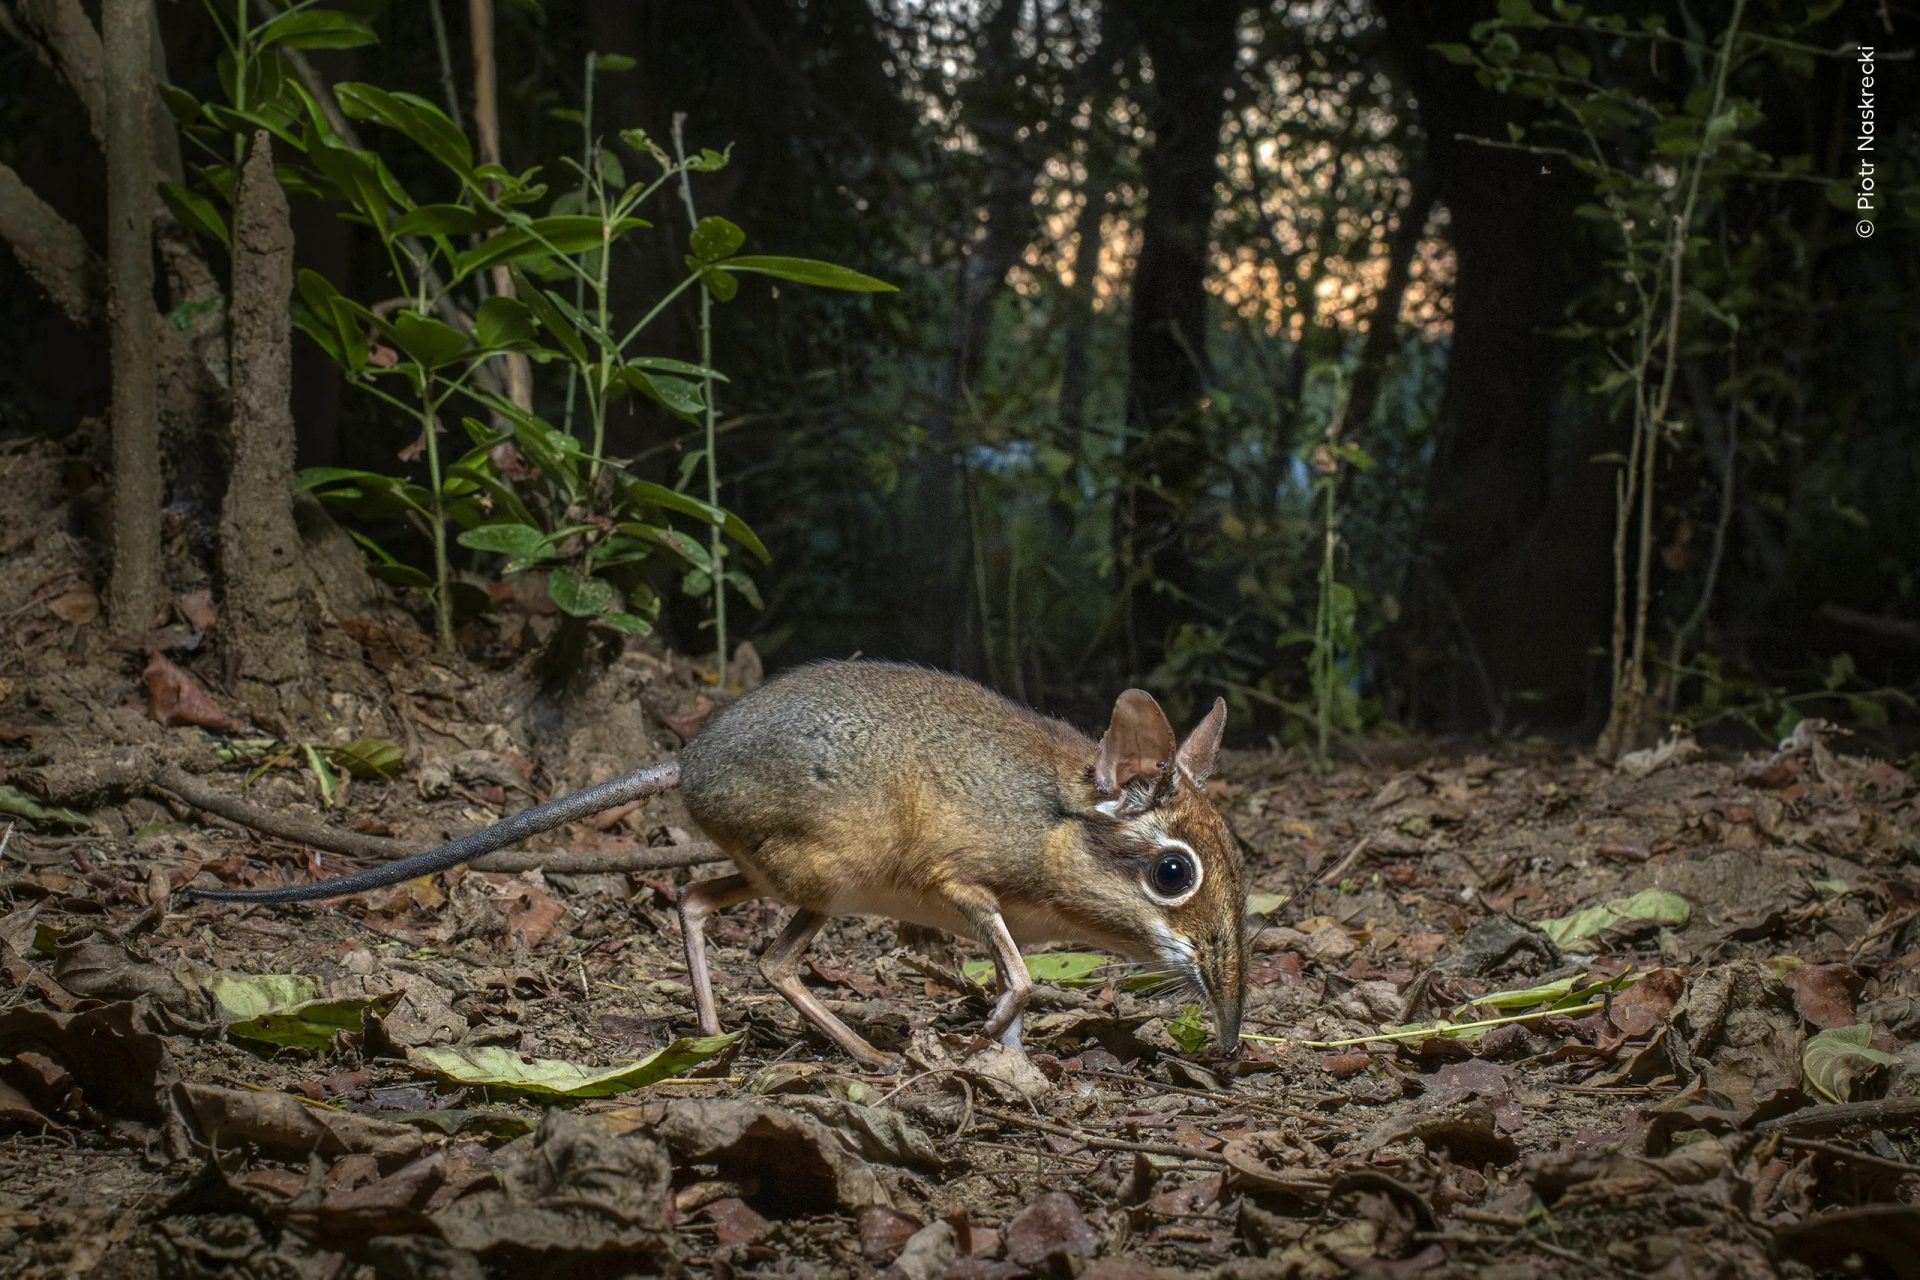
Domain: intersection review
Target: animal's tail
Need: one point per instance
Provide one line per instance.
(545, 817)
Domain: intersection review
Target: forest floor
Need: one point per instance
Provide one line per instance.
(1701, 1066)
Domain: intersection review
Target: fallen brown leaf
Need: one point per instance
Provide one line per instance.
(177, 699)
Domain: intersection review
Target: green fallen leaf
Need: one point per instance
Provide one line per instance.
(1549, 997)
(313, 1025)
(492, 1067)
(21, 805)
(1062, 968)
(1649, 908)
(1265, 904)
(284, 1009)
(238, 997)
(1842, 1065)
(1190, 1030)
(368, 757)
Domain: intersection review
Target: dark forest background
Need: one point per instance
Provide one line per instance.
(1301, 351)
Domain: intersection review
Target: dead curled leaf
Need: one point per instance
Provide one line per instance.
(1647, 1003)
(99, 1066)
(282, 1124)
(794, 1163)
(574, 1189)
(1050, 1228)
(79, 606)
(177, 699)
(1825, 993)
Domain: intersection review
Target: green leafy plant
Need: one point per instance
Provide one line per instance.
(543, 497)
(1660, 120)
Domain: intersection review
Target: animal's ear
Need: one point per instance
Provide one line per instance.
(1138, 743)
(1197, 754)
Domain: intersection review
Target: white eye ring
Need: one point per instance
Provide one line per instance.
(1193, 862)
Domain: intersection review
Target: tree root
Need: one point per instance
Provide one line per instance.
(174, 782)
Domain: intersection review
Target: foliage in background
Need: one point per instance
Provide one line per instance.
(887, 133)
(547, 498)
(1709, 299)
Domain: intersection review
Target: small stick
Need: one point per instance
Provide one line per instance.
(1110, 1144)
(1008, 1147)
(1851, 1156)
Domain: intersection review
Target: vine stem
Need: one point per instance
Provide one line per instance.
(442, 574)
(716, 549)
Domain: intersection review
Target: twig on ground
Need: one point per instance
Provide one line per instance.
(1109, 1144)
(1849, 1154)
(1842, 1117)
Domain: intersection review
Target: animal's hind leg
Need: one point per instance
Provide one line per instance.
(698, 901)
(781, 965)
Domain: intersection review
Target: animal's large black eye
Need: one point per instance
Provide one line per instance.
(1172, 873)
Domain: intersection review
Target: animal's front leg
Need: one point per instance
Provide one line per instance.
(1016, 987)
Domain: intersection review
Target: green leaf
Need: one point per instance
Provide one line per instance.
(1649, 908)
(180, 104)
(335, 321)
(1842, 1065)
(400, 575)
(431, 343)
(688, 549)
(506, 539)
(311, 1027)
(748, 589)
(315, 29)
(1265, 904)
(661, 364)
(21, 805)
(583, 597)
(543, 237)
(323, 774)
(807, 271)
(676, 395)
(1458, 54)
(1518, 12)
(722, 286)
(713, 239)
(658, 495)
(1063, 968)
(239, 996)
(194, 210)
(413, 117)
(1190, 1030)
(368, 757)
(356, 175)
(631, 624)
(613, 62)
(558, 326)
(492, 1067)
(502, 322)
(443, 220)
(1869, 712)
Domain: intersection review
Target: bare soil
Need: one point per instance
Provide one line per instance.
(1669, 1120)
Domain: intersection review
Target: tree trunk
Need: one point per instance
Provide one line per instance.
(941, 537)
(135, 589)
(263, 622)
(1192, 48)
(1518, 519)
